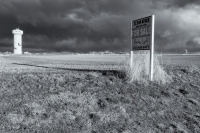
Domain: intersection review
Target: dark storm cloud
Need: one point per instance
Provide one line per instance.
(183, 3)
(193, 45)
(95, 25)
(46, 23)
(172, 3)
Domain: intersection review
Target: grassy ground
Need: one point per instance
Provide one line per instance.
(46, 99)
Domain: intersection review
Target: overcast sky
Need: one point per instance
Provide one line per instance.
(98, 25)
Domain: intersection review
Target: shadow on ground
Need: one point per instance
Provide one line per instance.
(120, 74)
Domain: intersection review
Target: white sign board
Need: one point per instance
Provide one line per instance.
(142, 38)
(141, 33)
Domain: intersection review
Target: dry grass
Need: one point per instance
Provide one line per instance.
(193, 68)
(140, 69)
(53, 100)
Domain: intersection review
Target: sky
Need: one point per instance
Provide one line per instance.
(98, 25)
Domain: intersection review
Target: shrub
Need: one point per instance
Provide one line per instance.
(193, 68)
(141, 66)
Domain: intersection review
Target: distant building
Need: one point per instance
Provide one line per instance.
(27, 53)
(6, 53)
(107, 52)
(185, 51)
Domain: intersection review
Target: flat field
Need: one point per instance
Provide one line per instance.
(83, 62)
(91, 94)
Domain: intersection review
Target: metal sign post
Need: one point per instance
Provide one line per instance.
(131, 60)
(131, 63)
(152, 47)
(142, 38)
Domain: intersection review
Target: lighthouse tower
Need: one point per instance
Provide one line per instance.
(17, 41)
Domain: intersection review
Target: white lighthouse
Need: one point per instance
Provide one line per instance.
(17, 41)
